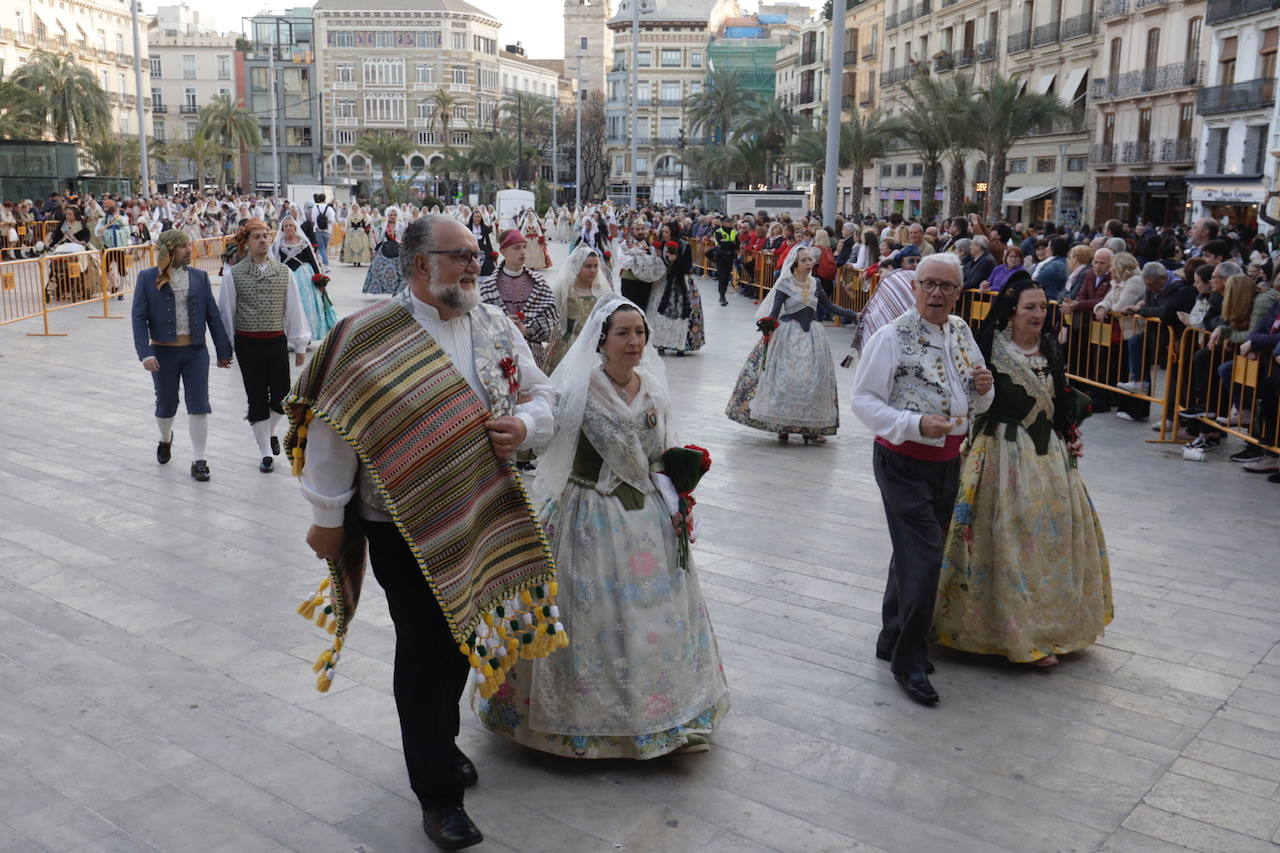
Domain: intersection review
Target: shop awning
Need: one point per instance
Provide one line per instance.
(1016, 198)
(1074, 77)
(1043, 84)
(49, 20)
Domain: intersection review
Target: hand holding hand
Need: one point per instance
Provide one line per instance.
(326, 542)
(506, 435)
(151, 363)
(935, 426)
(982, 380)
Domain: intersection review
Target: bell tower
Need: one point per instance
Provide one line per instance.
(587, 34)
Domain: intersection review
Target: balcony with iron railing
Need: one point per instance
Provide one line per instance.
(806, 95)
(1182, 150)
(160, 108)
(1072, 124)
(867, 98)
(130, 100)
(1046, 34)
(667, 172)
(945, 61)
(1103, 154)
(1237, 97)
(850, 58)
(1219, 11)
(188, 109)
(1080, 25)
(1139, 5)
(808, 56)
(1137, 153)
(1019, 42)
(985, 51)
(870, 51)
(1144, 81)
(846, 101)
(1113, 9)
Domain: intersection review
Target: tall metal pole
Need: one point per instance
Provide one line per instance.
(519, 142)
(1057, 197)
(275, 146)
(831, 177)
(577, 142)
(635, 95)
(142, 116)
(555, 158)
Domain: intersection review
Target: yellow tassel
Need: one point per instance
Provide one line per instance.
(322, 684)
(337, 644)
(322, 660)
(333, 627)
(320, 617)
(302, 432)
(562, 639)
(304, 607)
(552, 588)
(526, 597)
(324, 584)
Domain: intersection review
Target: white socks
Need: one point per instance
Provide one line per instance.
(262, 434)
(273, 418)
(198, 426)
(166, 429)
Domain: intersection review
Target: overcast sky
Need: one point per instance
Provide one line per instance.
(538, 24)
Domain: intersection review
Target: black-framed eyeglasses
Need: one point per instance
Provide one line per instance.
(946, 288)
(462, 256)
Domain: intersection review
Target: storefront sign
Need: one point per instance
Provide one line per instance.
(1229, 194)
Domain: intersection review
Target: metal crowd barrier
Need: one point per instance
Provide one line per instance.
(1223, 390)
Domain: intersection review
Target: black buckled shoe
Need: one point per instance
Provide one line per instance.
(449, 828)
(267, 465)
(200, 471)
(164, 451)
(917, 686)
(465, 770)
(275, 446)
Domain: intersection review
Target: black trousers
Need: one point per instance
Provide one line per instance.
(637, 291)
(724, 273)
(918, 497)
(264, 368)
(430, 673)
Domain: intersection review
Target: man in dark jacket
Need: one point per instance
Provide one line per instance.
(173, 305)
(983, 263)
(1167, 295)
(726, 237)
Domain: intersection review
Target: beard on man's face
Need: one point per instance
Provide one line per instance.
(455, 296)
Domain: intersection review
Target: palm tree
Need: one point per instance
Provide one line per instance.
(387, 151)
(864, 139)
(200, 151)
(1003, 114)
(22, 113)
(230, 124)
(442, 111)
(77, 106)
(773, 125)
(113, 155)
(724, 96)
(460, 163)
(496, 155)
(951, 101)
(921, 125)
(529, 116)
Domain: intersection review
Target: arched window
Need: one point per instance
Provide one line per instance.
(359, 163)
(339, 162)
(417, 163)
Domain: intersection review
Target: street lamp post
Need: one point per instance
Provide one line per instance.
(834, 88)
(275, 147)
(142, 118)
(635, 88)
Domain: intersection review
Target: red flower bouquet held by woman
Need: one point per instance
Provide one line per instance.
(685, 466)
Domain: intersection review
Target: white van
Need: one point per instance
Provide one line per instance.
(510, 204)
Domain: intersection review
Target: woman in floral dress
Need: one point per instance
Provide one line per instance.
(357, 247)
(641, 676)
(675, 306)
(295, 252)
(788, 384)
(577, 290)
(1025, 573)
(384, 275)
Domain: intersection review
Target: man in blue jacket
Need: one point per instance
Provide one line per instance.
(172, 306)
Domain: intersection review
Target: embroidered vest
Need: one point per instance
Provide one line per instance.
(920, 379)
(260, 296)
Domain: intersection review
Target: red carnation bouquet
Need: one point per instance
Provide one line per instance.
(320, 280)
(685, 466)
(767, 326)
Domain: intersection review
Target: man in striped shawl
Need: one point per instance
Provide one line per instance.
(404, 425)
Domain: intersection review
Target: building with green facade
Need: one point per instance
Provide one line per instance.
(749, 51)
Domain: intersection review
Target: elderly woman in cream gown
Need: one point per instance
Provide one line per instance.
(641, 676)
(580, 286)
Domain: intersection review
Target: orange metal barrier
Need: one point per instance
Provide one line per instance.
(206, 253)
(22, 291)
(1223, 390)
(854, 288)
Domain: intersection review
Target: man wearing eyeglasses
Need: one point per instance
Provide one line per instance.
(402, 430)
(919, 383)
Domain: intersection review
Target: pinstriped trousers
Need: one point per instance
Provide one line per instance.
(919, 496)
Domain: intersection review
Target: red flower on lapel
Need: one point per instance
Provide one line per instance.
(509, 371)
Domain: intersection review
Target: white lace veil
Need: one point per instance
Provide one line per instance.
(787, 284)
(565, 283)
(580, 372)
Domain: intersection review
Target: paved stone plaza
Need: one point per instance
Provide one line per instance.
(156, 690)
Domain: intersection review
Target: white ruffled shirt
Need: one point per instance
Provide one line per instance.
(333, 471)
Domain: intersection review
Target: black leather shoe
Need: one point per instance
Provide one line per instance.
(466, 772)
(275, 446)
(164, 451)
(928, 665)
(200, 471)
(449, 828)
(918, 687)
(267, 465)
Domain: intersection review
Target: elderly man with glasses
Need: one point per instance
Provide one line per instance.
(919, 383)
(403, 428)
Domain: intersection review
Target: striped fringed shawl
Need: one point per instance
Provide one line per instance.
(388, 389)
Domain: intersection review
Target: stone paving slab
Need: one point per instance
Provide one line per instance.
(157, 694)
